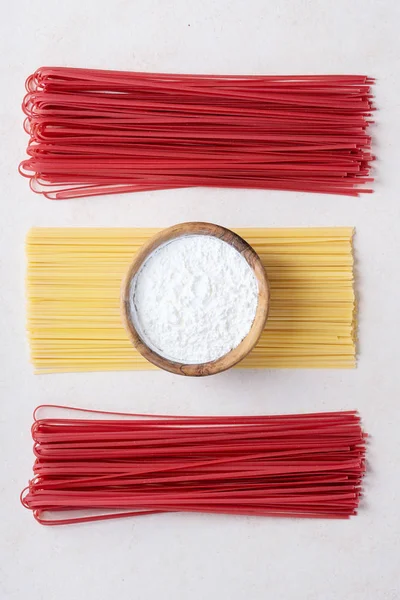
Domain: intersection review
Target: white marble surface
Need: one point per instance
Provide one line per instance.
(206, 557)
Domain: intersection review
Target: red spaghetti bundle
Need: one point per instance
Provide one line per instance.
(101, 132)
(308, 465)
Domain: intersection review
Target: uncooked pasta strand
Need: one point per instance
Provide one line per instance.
(74, 278)
(103, 132)
(304, 465)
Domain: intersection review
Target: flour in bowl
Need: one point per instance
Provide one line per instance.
(194, 299)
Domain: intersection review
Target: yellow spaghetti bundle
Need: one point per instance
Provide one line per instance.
(74, 280)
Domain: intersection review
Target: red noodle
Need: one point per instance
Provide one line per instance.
(102, 132)
(308, 465)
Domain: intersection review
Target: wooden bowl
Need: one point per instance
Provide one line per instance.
(246, 345)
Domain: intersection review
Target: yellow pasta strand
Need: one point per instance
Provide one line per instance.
(74, 278)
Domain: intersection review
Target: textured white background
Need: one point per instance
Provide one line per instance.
(200, 557)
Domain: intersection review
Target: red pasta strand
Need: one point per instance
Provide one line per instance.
(102, 132)
(306, 465)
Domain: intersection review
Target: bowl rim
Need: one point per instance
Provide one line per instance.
(249, 341)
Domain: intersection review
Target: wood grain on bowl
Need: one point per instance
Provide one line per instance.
(246, 345)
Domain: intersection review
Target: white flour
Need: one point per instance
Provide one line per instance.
(194, 299)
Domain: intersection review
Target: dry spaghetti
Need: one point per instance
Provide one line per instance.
(101, 132)
(308, 465)
(74, 279)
